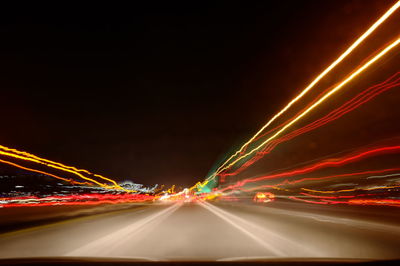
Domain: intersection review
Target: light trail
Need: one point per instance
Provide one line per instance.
(382, 176)
(55, 167)
(317, 103)
(390, 83)
(385, 202)
(379, 202)
(317, 79)
(308, 201)
(5, 151)
(350, 189)
(49, 162)
(84, 199)
(26, 154)
(346, 175)
(347, 107)
(336, 197)
(44, 173)
(332, 163)
(333, 197)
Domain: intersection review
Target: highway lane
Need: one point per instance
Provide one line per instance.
(210, 232)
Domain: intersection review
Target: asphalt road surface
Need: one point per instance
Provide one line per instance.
(204, 231)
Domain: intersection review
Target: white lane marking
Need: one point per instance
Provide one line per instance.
(223, 216)
(284, 243)
(248, 258)
(369, 225)
(102, 244)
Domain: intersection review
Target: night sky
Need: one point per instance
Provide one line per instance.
(158, 93)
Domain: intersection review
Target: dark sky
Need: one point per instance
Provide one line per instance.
(158, 93)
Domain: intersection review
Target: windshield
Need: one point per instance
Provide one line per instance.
(201, 132)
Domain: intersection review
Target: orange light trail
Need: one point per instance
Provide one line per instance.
(316, 80)
(386, 202)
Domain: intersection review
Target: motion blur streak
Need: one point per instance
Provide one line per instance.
(371, 92)
(82, 199)
(321, 100)
(379, 202)
(104, 243)
(29, 157)
(347, 107)
(331, 163)
(318, 78)
(44, 173)
(356, 174)
(387, 202)
(52, 166)
(347, 190)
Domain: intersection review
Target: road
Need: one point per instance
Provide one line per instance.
(204, 231)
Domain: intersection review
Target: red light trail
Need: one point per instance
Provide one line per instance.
(336, 162)
(357, 101)
(377, 202)
(293, 182)
(311, 85)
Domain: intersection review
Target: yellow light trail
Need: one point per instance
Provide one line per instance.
(198, 184)
(26, 154)
(313, 106)
(321, 100)
(171, 190)
(41, 172)
(319, 77)
(51, 164)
